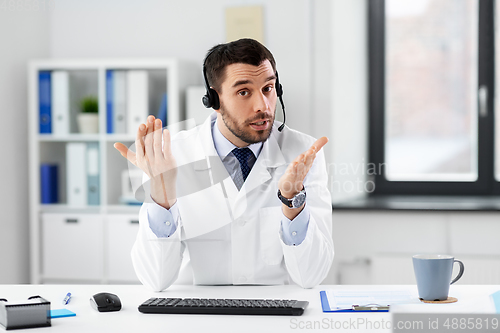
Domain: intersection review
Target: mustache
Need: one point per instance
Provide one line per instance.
(261, 117)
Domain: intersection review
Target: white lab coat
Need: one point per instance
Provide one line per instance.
(231, 237)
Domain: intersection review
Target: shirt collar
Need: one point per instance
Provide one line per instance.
(224, 146)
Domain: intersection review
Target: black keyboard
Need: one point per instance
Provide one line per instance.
(224, 306)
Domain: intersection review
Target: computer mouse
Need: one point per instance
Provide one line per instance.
(106, 302)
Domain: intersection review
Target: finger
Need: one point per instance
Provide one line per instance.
(319, 143)
(167, 149)
(307, 154)
(125, 152)
(309, 159)
(291, 168)
(307, 165)
(148, 141)
(299, 159)
(157, 138)
(150, 119)
(139, 143)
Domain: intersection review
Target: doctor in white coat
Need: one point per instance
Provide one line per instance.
(235, 200)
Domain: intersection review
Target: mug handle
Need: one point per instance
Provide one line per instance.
(459, 273)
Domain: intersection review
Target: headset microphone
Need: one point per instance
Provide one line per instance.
(279, 93)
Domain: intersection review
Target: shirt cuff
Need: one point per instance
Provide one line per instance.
(294, 232)
(163, 222)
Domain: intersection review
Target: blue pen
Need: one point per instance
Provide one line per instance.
(67, 298)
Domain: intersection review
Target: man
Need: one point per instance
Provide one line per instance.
(216, 216)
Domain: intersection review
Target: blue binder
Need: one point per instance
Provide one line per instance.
(44, 100)
(162, 111)
(49, 183)
(109, 101)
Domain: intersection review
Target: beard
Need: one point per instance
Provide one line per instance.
(243, 131)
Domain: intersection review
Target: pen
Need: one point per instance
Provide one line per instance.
(370, 307)
(67, 298)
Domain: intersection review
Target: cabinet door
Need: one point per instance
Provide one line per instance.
(121, 231)
(72, 246)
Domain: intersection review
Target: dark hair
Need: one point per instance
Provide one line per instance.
(245, 50)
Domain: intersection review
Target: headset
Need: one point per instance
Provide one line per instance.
(211, 98)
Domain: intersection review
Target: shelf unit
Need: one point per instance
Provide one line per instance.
(90, 244)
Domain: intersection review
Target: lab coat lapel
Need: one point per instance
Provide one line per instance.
(269, 159)
(212, 162)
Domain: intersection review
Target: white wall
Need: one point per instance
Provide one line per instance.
(187, 29)
(23, 35)
(376, 247)
(349, 94)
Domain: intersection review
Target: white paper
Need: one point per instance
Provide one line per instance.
(345, 299)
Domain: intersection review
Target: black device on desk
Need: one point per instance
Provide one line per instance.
(224, 306)
(105, 302)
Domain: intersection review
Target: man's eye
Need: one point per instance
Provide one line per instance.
(268, 88)
(243, 93)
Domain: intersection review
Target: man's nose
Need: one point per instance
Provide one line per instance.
(261, 102)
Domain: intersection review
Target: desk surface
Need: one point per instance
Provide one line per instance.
(129, 319)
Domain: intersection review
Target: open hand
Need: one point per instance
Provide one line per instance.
(156, 161)
(292, 180)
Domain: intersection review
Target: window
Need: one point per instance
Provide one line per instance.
(432, 75)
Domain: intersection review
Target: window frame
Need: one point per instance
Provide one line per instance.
(486, 184)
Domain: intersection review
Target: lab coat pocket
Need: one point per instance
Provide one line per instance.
(270, 243)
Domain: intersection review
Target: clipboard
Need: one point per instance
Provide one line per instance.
(355, 307)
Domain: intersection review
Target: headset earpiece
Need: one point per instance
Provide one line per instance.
(279, 87)
(206, 101)
(211, 98)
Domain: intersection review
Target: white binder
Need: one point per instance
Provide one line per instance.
(60, 102)
(93, 173)
(120, 101)
(137, 100)
(76, 174)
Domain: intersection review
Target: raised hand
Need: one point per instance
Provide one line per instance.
(156, 161)
(292, 180)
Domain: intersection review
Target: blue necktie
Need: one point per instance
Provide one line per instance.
(244, 156)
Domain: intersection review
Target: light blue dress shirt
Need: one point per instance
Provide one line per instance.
(163, 222)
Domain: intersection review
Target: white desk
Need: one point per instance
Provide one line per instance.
(129, 319)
